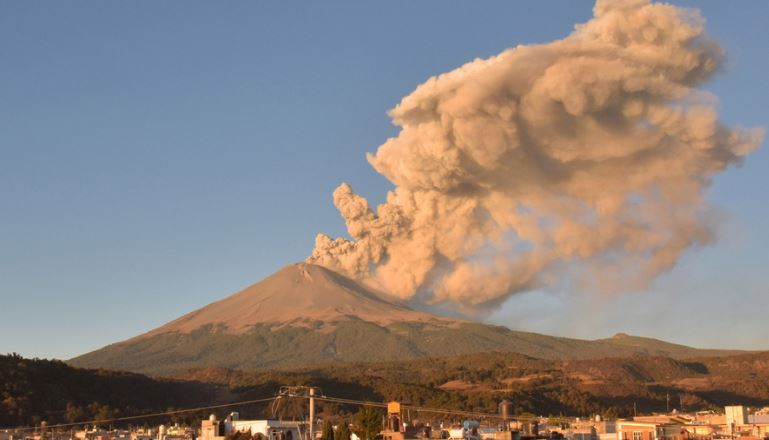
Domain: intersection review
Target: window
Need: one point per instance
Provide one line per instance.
(638, 435)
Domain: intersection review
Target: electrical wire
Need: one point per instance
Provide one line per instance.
(522, 418)
(144, 416)
(435, 410)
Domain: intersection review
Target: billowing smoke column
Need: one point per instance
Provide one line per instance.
(582, 161)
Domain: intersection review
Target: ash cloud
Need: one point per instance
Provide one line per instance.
(584, 159)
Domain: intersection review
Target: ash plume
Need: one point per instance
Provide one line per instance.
(584, 160)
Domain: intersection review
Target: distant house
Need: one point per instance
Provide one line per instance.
(212, 429)
(8, 435)
(636, 430)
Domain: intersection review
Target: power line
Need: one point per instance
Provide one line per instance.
(416, 408)
(434, 410)
(303, 396)
(147, 416)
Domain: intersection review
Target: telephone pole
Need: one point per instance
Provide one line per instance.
(307, 392)
(312, 413)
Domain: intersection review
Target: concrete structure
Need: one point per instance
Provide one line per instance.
(709, 418)
(697, 429)
(213, 429)
(633, 430)
(395, 429)
(271, 429)
(141, 434)
(736, 415)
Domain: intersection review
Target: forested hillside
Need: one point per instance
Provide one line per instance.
(609, 386)
(32, 390)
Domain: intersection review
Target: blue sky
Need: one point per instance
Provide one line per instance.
(157, 156)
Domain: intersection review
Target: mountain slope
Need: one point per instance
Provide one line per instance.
(307, 315)
(655, 347)
(296, 293)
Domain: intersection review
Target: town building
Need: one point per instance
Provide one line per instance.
(649, 430)
(213, 429)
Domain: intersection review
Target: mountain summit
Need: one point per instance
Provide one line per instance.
(307, 315)
(300, 294)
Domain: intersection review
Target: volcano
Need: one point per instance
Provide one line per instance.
(307, 315)
(297, 295)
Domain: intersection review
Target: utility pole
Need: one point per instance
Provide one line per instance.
(312, 413)
(305, 392)
(667, 402)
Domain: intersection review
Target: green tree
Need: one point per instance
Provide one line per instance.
(369, 423)
(239, 435)
(343, 432)
(74, 413)
(328, 431)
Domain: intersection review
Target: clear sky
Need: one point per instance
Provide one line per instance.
(157, 156)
